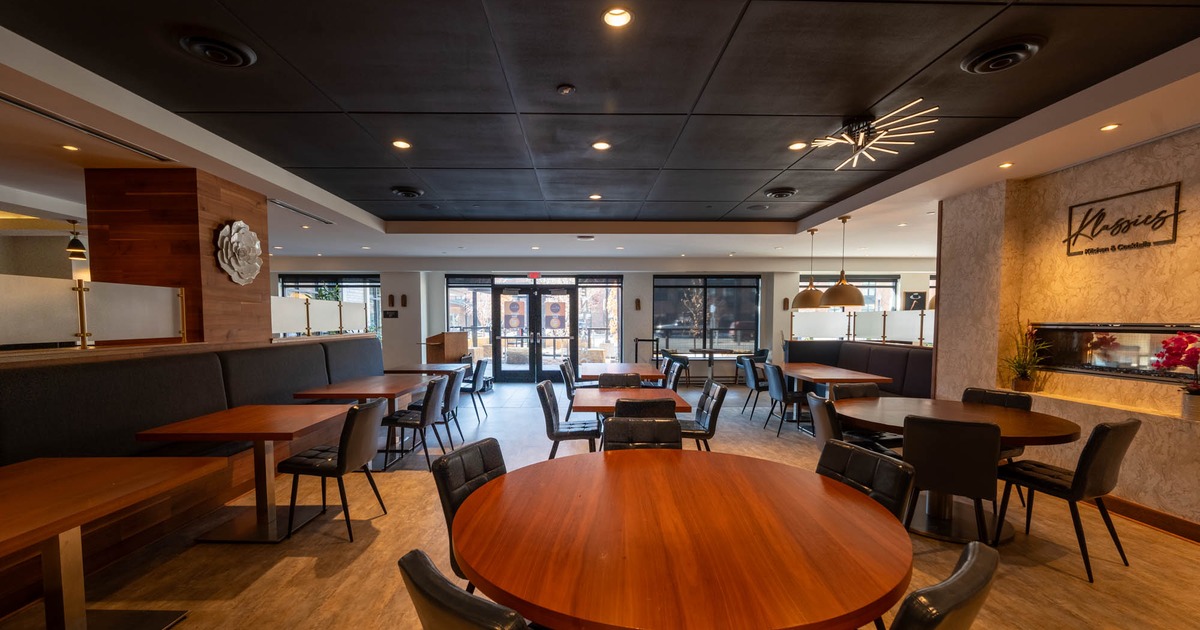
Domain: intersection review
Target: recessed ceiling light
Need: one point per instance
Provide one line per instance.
(269, 254)
(303, 227)
(861, 248)
(535, 247)
(796, 146)
(778, 248)
(601, 146)
(901, 225)
(319, 254)
(70, 148)
(1006, 165)
(731, 254)
(585, 237)
(565, 89)
(278, 247)
(617, 17)
(366, 247)
(619, 247)
(595, 197)
(1110, 127)
(682, 255)
(932, 212)
(401, 144)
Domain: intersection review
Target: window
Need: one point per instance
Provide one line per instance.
(341, 288)
(706, 312)
(469, 309)
(879, 292)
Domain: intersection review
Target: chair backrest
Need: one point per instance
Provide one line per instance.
(751, 372)
(673, 372)
(545, 390)
(434, 401)
(665, 365)
(953, 457)
(568, 378)
(649, 408)
(1100, 462)
(360, 435)
(842, 391)
(761, 355)
(678, 358)
(826, 424)
(478, 375)
(998, 398)
(453, 391)
(709, 406)
(441, 605)
(953, 603)
(888, 481)
(776, 386)
(461, 472)
(630, 433)
(620, 380)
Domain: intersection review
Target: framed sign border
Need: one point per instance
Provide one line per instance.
(1174, 222)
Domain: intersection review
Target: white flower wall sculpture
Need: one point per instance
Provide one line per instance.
(239, 252)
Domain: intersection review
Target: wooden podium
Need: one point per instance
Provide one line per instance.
(446, 347)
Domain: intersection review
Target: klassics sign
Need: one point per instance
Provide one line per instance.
(1125, 222)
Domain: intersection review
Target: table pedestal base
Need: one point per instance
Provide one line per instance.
(953, 521)
(245, 527)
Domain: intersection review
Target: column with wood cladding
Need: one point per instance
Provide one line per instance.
(159, 227)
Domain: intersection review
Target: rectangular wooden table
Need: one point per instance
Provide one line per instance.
(388, 386)
(605, 400)
(47, 501)
(264, 425)
(645, 371)
(429, 368)
(828, 374)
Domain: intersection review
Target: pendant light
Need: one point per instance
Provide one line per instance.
(75, 248)
(810, 297)
(843, 293)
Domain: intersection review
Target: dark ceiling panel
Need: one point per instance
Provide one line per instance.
(135, 44)
(482, 183)
(451, 140)
(823, 186)
(362, 184)
(593, 210)
(746, 141)
(708, 185)
(1084, 45)
(612, 185)
(772, 210)
(503, 210)
(377, 56)
(683, 210)
(411, 210)
(786, 57)
(300, 140)
(565, 141)
(948, 133)
(640, 68)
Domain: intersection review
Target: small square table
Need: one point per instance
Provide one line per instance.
(389, 386)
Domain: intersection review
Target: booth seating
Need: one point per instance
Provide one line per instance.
(909, 367)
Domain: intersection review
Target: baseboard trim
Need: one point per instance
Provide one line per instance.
(1149, 516)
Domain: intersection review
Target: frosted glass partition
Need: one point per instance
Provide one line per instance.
(869, 325)
(818, 325)
(37, 310)
(324, 316)
(288, 315)
(354, 316)
(906, 326)
(128, 311)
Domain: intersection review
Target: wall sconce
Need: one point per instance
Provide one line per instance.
(403, 300)
(787, 306)
(391, 301)
(637, 304)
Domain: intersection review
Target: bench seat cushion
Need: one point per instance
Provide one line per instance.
(269, 376)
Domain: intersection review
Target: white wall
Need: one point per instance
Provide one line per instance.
(634, 323)
(402, 336)
(435, 302)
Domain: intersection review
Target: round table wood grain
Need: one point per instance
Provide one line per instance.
(681, 539)
(1017, 427)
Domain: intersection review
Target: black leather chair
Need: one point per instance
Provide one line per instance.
(842, 391)
(650, 408)
(443, 606)
(756, 383)
(673, 374)
(704, 426)
(889, 481)
(621, 433)
(954, 458)
(780, 395)
(1001, 398)
(1094, 476)
(354, 451)
(558, 430)
(761, 355)
(476, 385)
(612, 380)
(683, 361)
(827, 425)
(664, 366)
(450, 400)
(953, 603)
(460, 473)
(418, 421)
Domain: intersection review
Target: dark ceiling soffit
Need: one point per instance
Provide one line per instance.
(592, 227)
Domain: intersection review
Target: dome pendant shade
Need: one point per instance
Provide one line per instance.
(842, 294)
(75, 248)
(808, 298)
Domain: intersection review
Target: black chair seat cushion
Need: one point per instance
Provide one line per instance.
(692, 430)
(578, 429)
(405, 418)
(320, 461)
(1038, 476)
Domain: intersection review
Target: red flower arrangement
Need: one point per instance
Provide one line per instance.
(1181, 351)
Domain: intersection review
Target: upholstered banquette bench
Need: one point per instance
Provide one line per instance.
(909, 367)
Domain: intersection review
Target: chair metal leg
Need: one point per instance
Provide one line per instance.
(698, 447)
(292, 506)
(754, 407)
(439, 438)
(371, 480)
(1112, 531)
(782, 417)
(879, 624)
(748, 392)
(470, 587)
(425, 448)
(591, 445)
(485, 411)
(1087, 563)
(324, 506)
(707, 447)
(473, 396)
(458, 426)
(553, 450)
(1003, 509)
(770, 413)
(345, 507)
(979, 522)
(912, 506)
(1029, 511)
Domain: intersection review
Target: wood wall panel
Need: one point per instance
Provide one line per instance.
(232, 312)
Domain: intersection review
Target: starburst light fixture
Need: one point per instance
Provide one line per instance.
(866, 134)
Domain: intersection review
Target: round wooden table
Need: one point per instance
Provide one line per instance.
(942, 517)
(681, 539)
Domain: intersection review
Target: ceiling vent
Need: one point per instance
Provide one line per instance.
(780, 193)
(227, 54)
(1002, 55)
(407, 192)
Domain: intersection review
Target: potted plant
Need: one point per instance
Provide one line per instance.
(1182, 351)
(1026, 357)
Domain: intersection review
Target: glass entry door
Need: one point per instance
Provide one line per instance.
(534, 330)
